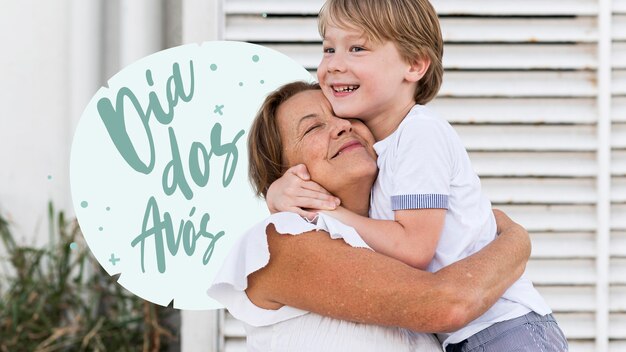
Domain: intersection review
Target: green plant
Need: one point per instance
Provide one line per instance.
(60, 299)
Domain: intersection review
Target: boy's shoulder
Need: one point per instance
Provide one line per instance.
(420, 118)
(420, 127)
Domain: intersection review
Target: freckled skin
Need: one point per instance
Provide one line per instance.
(315, 273)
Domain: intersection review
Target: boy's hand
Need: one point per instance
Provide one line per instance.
(295, 192)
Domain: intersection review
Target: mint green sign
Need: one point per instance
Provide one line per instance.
(159, 165)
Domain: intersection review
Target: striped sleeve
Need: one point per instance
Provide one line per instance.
(419, 201)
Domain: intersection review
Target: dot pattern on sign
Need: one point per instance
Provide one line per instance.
(210, 76)
(113, 259)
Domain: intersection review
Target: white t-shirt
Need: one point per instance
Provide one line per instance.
(289, 329)
(424, 165)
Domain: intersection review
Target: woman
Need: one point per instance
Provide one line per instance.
(313, 292)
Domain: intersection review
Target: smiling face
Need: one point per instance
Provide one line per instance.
(338, 153)
(363, 79)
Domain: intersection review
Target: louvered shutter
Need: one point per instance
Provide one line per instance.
(617, 251)
(525, 87)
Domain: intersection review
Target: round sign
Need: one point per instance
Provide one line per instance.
(159, 165)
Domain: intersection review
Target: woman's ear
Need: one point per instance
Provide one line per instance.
(417, 69)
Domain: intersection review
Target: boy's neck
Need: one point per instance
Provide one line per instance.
(385, 124)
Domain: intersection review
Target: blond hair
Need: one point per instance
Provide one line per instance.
(265, 148)
(412, 25)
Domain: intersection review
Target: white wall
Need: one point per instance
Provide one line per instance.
(56, 53)
(34, 134)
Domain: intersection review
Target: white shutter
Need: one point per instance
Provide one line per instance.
(526, 90)
(617, 272)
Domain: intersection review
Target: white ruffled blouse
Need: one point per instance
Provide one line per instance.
(291, 329)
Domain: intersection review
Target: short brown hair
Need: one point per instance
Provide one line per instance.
(265, 148)
(412, 25)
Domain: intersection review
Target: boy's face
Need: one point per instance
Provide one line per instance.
(362, 79)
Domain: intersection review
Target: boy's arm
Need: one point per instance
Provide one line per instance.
(418, 165)
(411, 238)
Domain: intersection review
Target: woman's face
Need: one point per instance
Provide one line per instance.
(337, 152)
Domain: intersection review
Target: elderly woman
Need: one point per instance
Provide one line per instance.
(301, 286)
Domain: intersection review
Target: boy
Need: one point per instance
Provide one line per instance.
(381, 64)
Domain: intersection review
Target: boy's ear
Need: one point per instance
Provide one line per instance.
(417, 69)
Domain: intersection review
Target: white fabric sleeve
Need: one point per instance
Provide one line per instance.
(423, 164)
(251, 253)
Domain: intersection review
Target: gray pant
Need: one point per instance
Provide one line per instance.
(529, 333)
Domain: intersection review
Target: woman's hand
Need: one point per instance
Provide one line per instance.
(504, 223)
(295, 192)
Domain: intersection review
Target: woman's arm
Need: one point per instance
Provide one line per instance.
(328, 277)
